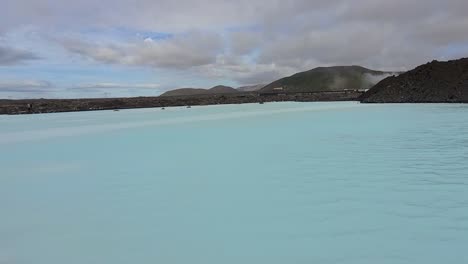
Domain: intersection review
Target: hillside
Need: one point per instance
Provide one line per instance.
(220, 89)
(184, 91)
(251, 88)
(336, 78)
(432, 82)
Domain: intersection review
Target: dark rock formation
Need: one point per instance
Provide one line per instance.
(434, 82)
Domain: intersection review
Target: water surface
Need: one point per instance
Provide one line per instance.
(272, 183)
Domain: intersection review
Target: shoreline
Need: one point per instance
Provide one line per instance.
(43, 106)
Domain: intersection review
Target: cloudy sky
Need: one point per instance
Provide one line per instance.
(89, 48)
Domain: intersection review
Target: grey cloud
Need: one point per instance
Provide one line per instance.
(260, 77)
(181, 52)
(242, 43)
(161, 15)
(11, 56)
(25, 85)
(286, 36)
(347, 44)
(441, 31)
(383, 46)
(395, 11)
(243, 72)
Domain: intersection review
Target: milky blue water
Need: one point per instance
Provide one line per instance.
(272, 183)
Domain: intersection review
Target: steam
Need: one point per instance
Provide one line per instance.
(339, 83)
(370, 80)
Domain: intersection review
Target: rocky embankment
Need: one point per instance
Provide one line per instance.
(434, 82)
(69, 105)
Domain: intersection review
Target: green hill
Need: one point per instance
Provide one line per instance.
(336, 78)
(220, 89)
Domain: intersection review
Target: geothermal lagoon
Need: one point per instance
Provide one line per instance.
(273, 183)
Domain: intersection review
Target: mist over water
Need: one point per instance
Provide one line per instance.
(272, 183)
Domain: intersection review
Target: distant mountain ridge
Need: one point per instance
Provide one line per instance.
(220, 89)
(335, 78)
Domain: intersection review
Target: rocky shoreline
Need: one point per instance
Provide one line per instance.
(37, 106)
(434, 82)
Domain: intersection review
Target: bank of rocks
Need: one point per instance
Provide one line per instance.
(33, 106)
(434, 82)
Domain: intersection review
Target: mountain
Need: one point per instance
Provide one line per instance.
(220, 89)
(251, 88)
(336, 78)
(184, 91)
(434, 82)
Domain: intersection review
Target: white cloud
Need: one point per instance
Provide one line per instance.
(181, 52)
(251, 40)
(242, 71)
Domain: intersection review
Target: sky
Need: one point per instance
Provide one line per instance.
(111, 48)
